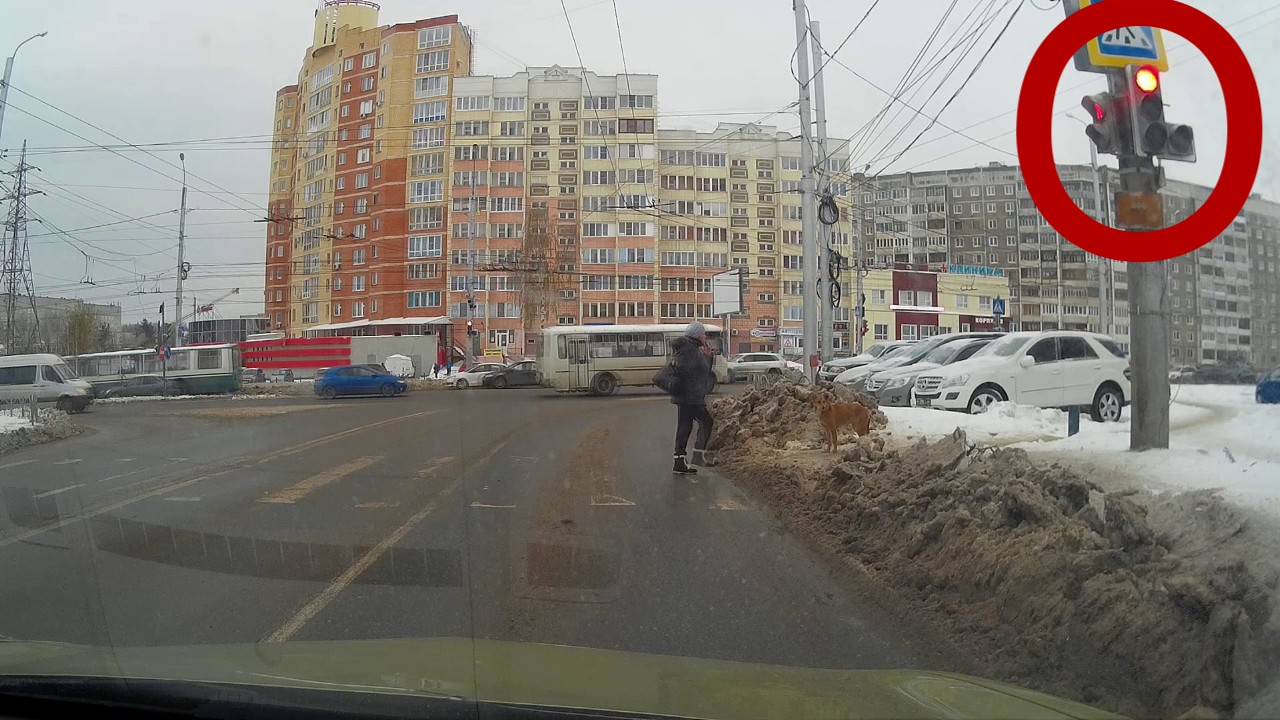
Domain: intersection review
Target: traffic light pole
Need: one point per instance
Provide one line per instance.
(1138, 207)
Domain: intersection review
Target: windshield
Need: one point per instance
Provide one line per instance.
(436, 349)
(1004, 347)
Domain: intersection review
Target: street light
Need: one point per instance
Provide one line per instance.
(1104, 265)
(8, 73)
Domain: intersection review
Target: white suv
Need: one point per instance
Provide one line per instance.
(1055, 369)
(740, 366)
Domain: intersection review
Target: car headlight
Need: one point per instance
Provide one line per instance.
(898, 382)
(955, 380)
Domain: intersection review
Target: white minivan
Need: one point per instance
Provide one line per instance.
(1055, 369)
(45, 376)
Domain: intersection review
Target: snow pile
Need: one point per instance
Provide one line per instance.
(782, 413)
(1062, 587)
(17, 432)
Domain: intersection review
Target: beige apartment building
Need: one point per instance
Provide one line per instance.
(388, 153)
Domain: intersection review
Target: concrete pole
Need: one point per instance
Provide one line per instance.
(809, 217)
(471, 261)
(8, 74)
(824, 238)
(182, 237)
(856, 328)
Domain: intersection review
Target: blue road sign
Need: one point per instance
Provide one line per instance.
(997, 307)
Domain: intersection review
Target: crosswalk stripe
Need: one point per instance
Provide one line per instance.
(296, 492)
(59, 490)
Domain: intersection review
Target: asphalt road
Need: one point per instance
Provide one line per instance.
(500, 514)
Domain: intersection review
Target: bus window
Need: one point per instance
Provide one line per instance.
(604, 346)
(209, 359)
(716, 342)
(562, 346)
(656, 344)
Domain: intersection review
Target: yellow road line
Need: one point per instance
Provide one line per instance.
(321, 601)
(297, 491)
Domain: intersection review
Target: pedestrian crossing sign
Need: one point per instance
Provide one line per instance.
(1121, 47)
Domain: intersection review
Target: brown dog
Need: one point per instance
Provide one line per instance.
(835, 415)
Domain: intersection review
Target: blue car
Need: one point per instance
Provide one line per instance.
(1269, 388)
(358, 380)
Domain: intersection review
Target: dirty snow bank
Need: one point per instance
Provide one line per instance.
(1058, 585)
(17, 432)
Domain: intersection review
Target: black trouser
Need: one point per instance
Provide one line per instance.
(684, 426)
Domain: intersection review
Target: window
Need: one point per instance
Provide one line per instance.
(428, 164)
(427, 299)
(426, 218)
(429, 87)
(635, 101)
(598, 256)
(428, 138)
(425, 112)
(790, 162)
(635, 125)
(426, 191)
(881, 331)
(433, 61)
(349, 64)
(601, 127)
(473, 128)
(1045, 351)
(364, 155)
(423, 271)
(1075, 348)
(508, 104)
(471, 102)
(434, 37)
(908, 332)
(962, 302)
(366, 84)
(357, 283)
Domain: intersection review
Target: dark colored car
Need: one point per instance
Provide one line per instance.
(1269, 388)
(1225, 375)
(253, 375)
(145, 386)
(358, 380)
(521, 374)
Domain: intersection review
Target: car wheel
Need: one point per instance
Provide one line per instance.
(462, 384)
(732, 378)
(983, 398)
(330, 392)
(65, 405)
(500, 382)
(775, 372)
(387, 390)
(604, 384)
(1108, 405)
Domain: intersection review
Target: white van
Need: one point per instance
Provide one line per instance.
(45, 376)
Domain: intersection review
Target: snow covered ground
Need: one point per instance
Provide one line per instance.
(1219, 438)
(9, 423)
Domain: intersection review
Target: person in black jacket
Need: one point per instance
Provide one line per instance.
(692, 359)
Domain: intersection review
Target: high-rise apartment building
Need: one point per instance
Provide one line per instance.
(403, 187)
(369, 112)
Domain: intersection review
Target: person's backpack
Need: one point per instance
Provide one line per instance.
(666, 378)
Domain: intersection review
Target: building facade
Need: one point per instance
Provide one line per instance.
(403, 187)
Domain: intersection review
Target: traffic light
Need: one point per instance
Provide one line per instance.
(471, 331)
(863, 329)
(1105, 116)
(1152, 135)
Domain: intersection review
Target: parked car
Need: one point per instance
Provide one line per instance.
(1225, 375)
(830, 370)
(1268, 390)
(358, 380)
(1051, 369)
(740, 366)
(475, 375)
(252, 375)
(521, 374)
(284, 375)
(1182, 373)
(145, 386)
(857, 377)
(893, 387)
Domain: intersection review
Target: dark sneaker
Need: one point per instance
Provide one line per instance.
(681, 468)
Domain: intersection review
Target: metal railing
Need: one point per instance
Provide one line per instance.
(26, 408)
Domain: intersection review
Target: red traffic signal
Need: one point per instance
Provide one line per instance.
(1146, 79)
(1102, 114)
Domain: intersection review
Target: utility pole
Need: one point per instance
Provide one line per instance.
(809, 209)
(826, 300)
(859, 270)
(182, 265)
(8, 74)
(1104, 264)
(15, 263)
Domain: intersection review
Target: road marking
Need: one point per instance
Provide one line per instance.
(728, 505)
(125, 460)
(433, 466)
(604, 491)
(68, 462)
(16, 464)
(183, 499)
(378, 505)
(343, 581)
(304, 446)
(112, 507)
(51, 493)
(122, 475)
(483, 505)
(294, 493)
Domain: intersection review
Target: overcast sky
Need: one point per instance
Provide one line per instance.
(160, 71)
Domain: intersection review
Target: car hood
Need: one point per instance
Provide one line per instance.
(549, 675)
(969, 365)
(915, 369)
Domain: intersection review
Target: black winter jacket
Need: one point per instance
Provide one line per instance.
(694, 375)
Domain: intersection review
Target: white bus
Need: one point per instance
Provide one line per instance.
(601, 358)
(197, 369)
